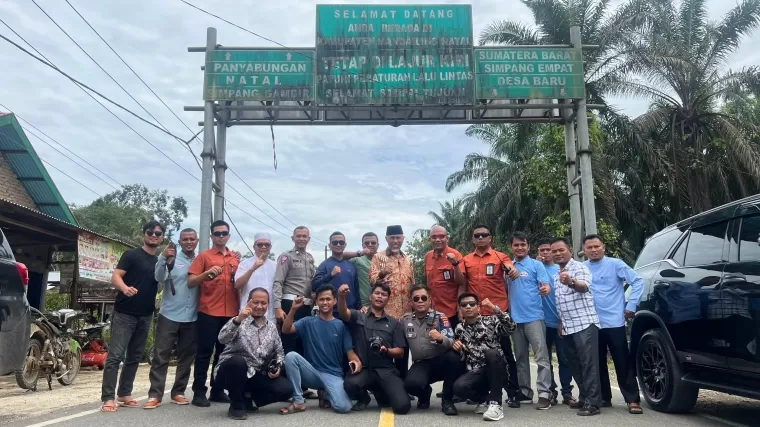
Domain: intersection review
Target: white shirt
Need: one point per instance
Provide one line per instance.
(261, 278)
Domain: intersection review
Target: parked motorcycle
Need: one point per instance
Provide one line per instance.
(53, 350)
(91, 339)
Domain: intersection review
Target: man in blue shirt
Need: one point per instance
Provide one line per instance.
(526, 308)
(338, 271)
(551, 319)
(325, 341)
(176, 320)
(610, 276)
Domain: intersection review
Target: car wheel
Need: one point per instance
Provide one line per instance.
(659, 374)
(26, 376)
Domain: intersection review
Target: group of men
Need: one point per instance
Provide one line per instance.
(277, 328)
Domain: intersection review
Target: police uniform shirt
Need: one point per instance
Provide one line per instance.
(366, 325)
(417, 332)
(295, 269)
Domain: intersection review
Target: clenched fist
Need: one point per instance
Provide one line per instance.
(452, 259)
(344, 290)
(335, 271)
(436, 335)
(486, 303)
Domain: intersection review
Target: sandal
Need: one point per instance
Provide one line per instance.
(108, 407)
(131, 403)
(635, 408)
(292, 409)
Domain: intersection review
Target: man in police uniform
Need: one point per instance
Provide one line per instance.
(292, 278)
(430, 337)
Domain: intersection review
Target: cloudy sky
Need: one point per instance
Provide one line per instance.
(353, 179)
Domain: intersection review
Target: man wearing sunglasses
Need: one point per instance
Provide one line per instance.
(214, 272)
(337, 271)
(257, 272)
(136, 283)
(362, 260)
(429, 335)
(485, 270)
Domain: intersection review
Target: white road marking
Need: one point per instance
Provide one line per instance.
(80, 414)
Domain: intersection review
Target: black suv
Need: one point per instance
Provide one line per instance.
(698, 325)
(15, 317)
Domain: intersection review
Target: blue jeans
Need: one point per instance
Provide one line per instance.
(302, 374)
(565, 373)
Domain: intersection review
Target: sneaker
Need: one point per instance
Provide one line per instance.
(219, 397)
(512, 402)
(569, 401)
(524, 399)
(494, 412)
(554, 400)
(543, 403)
(576, 404)
(449, 409)
(249, 406)
(481, 408)
(588, 411)
(180, 400)
(200, 401)
(152, 403)
(237, 414)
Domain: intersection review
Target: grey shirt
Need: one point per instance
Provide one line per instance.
(293, 275)
(417, 332)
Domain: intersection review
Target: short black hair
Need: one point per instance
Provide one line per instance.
(544, 241)
(481, 226)
(219, 223)
(370, 234)
(520, 236)
(151, 225)
(337, 233)
(300, 227)
(419, 287)
(592, 237)
(254, 290)
(563, 240)
(467, 295)
(325, 288)
(381, 285)
(190, 230)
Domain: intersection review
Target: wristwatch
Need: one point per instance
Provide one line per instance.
(455, 263)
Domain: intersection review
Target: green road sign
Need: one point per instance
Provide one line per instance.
(259, 75)
(390, 54)
(529, 73)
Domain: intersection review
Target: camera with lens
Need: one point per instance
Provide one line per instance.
(375, 343)
(273, 366)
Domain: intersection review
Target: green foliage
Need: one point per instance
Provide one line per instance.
(121, 214)
(55, 301)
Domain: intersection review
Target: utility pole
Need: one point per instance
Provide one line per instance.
(325, 252)
(576, 221)
(220, 166)
(584, 152)
(207, 155)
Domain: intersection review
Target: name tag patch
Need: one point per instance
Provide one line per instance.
(489, 269)
(446, 275)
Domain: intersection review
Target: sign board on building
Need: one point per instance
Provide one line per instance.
(259, 75)
(529, 73)
(98, 257)
(392, 54)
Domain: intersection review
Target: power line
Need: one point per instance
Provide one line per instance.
(260, 196)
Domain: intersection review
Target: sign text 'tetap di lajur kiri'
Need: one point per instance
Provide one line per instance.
(390, 54)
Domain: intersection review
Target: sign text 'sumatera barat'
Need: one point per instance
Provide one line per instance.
(394, 55)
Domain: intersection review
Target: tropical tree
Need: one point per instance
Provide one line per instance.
(679, 64)
(453, 219)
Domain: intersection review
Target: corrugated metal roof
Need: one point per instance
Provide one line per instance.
(27, 166)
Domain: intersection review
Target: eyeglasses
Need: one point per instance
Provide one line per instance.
(263, 245)
(420, 298)
(370, 243)
(220, 233)
(481, 235)
(338, 242)
(154, 233)
(468, 304)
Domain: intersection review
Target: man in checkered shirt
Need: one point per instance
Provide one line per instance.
(579, 325)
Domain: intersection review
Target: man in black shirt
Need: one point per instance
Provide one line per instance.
(135, 280)
(378, 340)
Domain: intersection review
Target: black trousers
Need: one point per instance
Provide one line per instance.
(446, 367)
(385, 384)
(289, 341)
(583, 355)
(208, 328)
(402, 364)
(615, 340)
(483, 385)
(233, 377)
(510, 378)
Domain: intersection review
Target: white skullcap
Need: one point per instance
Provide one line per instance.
(262, 235)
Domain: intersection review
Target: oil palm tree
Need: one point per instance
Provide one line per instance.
(452, 218)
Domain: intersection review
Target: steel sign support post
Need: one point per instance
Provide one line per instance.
(584, 153)
(208, 156)
(220, 166)
(576, 220)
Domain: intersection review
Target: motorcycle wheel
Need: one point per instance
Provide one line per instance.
(27, 375)
(73, 361)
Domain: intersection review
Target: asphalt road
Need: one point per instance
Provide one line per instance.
(189, 416)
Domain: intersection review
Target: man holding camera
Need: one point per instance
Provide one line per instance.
(213, 271)
(379, 338)
(430, 337)
(326, 340)
(252, 359)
